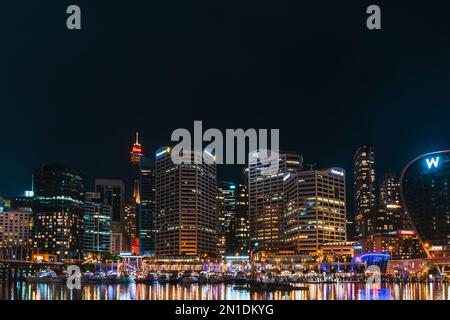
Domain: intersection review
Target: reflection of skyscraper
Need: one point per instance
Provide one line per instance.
(58, 211)
(266, 202)
(364, 187)
(185, 207)
(425, 190)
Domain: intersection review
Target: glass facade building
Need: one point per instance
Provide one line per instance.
(425, 188)
(147, 211)
(58, 211)
(96, 224)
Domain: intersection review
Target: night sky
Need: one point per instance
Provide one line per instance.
(311, 69)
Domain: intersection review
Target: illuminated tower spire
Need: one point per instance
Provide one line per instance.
(136, 152)
(135, 159)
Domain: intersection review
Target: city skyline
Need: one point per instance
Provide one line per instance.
(137, 214)
(224, 172)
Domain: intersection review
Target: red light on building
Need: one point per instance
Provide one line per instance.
(135, 246)
(406, 233)
(136, 149)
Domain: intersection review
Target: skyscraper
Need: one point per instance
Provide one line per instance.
(129, 224)
(391, 202)
(239, 238)
(425, 191)
(15, 231)
(315, 210)
(58, 211)
(185, 207)
(112, 192)
(364, 187)
(266, 202)
(97, 224)
(147, 210)
(226, 209)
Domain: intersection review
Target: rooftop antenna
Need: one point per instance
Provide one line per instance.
(137, 137)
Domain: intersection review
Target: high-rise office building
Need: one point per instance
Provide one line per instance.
(315, 210)
(112, 192)
(226, 209)
(15, 229)
(266, 202)
(129, 226)
(96, 223)
(425, 191)
(390, 191)
(238, 240)
(58, 211)
(364, 187)
(185, 207)
(146, 228)
(390, 200)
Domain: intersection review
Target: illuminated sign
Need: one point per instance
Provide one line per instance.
(237, 258)
(407, 232)
(125, 254)
(433, 162)
(436, 248)
(29, 194)
(337, 172)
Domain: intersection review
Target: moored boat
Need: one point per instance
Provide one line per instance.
(189, 277)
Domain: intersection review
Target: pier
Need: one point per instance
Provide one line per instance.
(19, 269)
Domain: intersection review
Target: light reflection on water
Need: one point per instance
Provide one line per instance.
(33, 291)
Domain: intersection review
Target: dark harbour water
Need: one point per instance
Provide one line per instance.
(410, 291)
